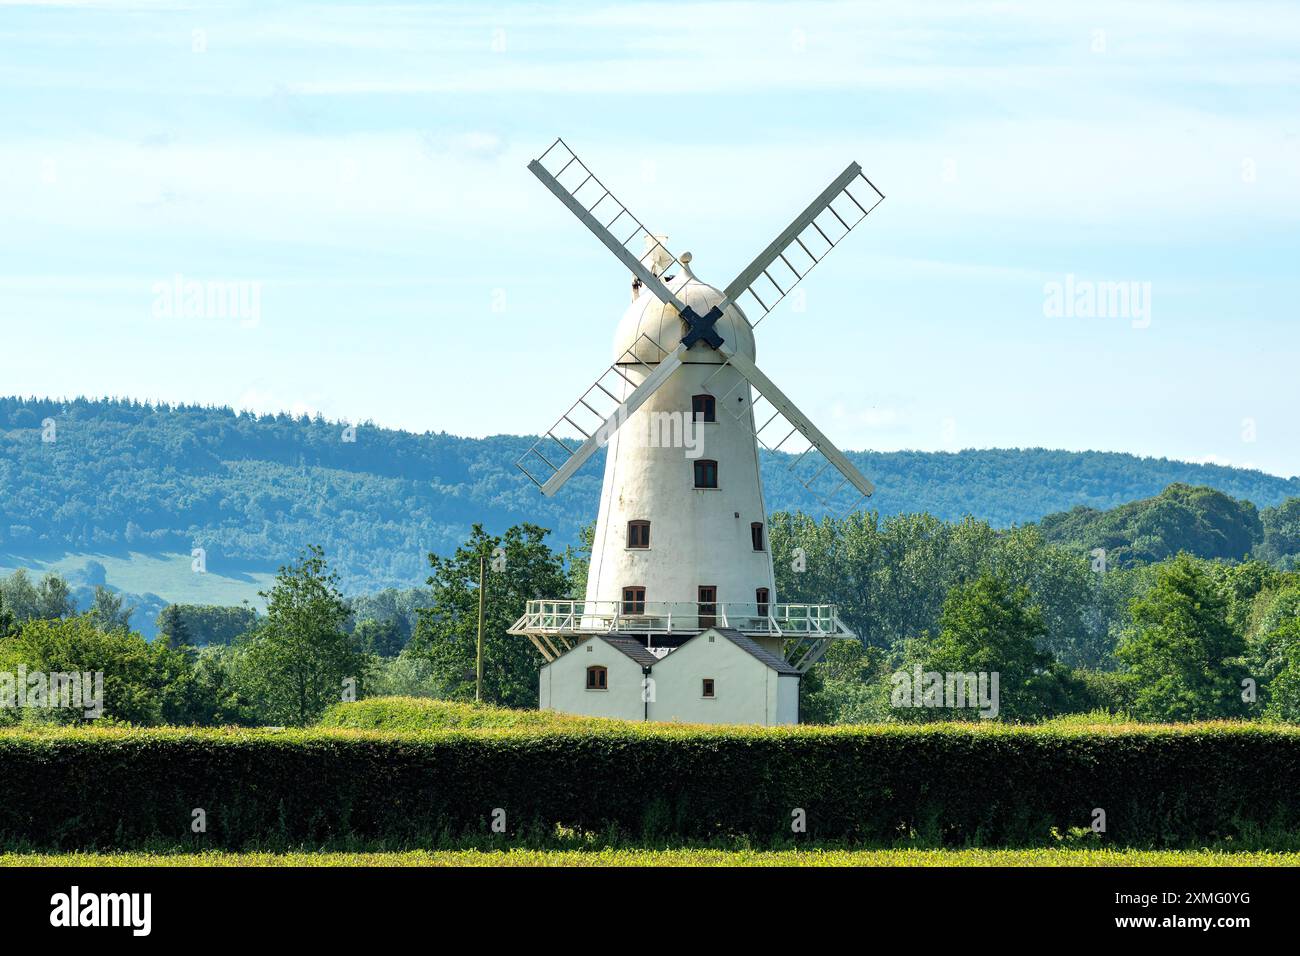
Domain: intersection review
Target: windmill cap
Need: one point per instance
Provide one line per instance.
(649, 317)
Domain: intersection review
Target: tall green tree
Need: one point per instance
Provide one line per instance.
(990, 626)
(1282, 695)
(54, 598)
(1182, 650)
(173, 630)
(520, 567)
(110, 610)
(299, 659)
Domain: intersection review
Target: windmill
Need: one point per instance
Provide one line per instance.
(681, 543)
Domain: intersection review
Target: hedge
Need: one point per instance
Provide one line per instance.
(423, 713)
(949, 784)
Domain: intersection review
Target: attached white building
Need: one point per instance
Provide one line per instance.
(719, 676)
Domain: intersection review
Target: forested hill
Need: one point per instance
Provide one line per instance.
(120, 476)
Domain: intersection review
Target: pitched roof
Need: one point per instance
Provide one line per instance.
(632, 648)
(755, 649)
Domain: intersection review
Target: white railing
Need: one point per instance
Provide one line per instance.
(683, 617)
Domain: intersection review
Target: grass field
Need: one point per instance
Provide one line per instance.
(641, 857)
(169, 575)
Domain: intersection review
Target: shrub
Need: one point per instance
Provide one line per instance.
(420, 713)
(944, 784)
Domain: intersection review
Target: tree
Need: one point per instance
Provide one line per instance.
(54, 598)
(131, 680)
(1281, 543)
(524, 568)
(110, 611)
(1181, 648)
(172, 628)
(383, 638)
(1282, 700)
(990, 627)
(20, 596)
(8, 623)
(296, 662)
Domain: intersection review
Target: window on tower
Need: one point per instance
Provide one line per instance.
(597, 678)
(638, 534)
(756, 535)
(704, 408)
(706, 473)
(761, 598)
(708, 605)
(634, 600)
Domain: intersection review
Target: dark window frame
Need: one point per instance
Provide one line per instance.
(757, 536)
(704, 408)
(597, 677)
(763, 600)
(705, 464)
(708, 688)
(636, 603)
(637, 525)
(707, 606)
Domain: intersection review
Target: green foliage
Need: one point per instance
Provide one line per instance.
(382, 638)
(296, 663)
(1283, 698)
(1200, 521)
(990, 627)
(52, 598)
(411, 713)
(212, 624)
(109, 611)
(1182, 650)
(447, 633)
(130, 475)
(406, 675)
(951, 785)
(136, 676)
(891, 576)
(1281, 541)
(172, 629)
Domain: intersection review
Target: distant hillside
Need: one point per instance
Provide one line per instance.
(1201, 521)
(121, 480)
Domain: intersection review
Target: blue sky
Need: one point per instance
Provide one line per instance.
(364, 167)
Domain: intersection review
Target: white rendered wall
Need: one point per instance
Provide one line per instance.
(563, 683)
(746, 691)
(697, 537)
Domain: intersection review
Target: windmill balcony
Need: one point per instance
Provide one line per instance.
(680, 619)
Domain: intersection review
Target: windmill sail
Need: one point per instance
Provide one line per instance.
(804, 243)
(779, 426)
(565, 175)
(599, 412)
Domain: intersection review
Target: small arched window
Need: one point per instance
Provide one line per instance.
(638, 534)
(597, 678)
(761, 598)
(706, 473)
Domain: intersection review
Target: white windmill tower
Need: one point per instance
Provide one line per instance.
(681, 547)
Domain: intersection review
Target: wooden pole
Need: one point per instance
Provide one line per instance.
(478, 683)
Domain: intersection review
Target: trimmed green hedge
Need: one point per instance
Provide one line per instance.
(952, 784)
(423, 713)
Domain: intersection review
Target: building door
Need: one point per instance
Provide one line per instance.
(708, 605)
